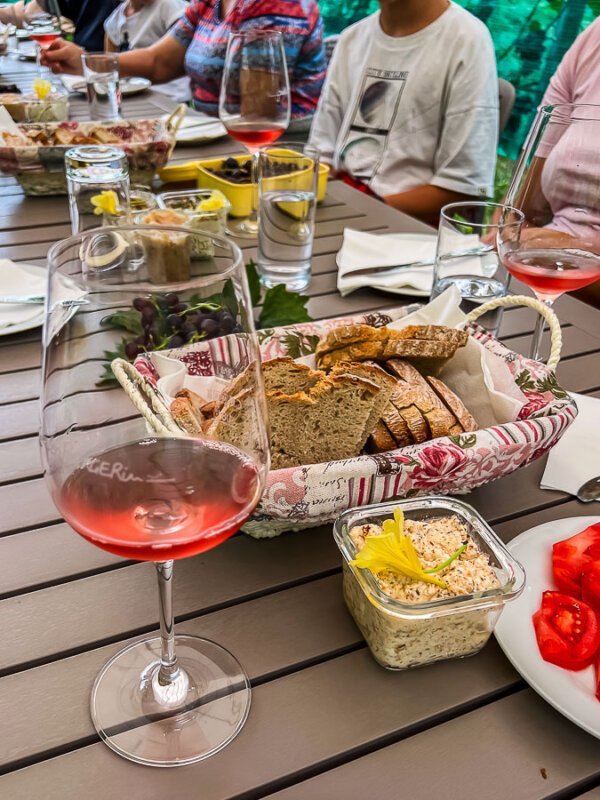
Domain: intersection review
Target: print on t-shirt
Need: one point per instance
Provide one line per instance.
(372, 119)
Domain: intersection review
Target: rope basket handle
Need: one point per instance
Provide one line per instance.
(145, 399)
(537, 305)
(175, 118)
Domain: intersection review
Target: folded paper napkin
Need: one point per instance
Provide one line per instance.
(16, 280)
(576, 457)
(73, 83)
(360, 250)
(196, 125)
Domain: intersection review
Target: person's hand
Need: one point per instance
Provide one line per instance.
(62, 56)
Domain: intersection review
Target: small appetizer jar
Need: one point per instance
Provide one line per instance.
(409, 623)
(166, 252)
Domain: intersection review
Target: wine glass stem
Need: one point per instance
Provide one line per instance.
(169, 670)
(539, 333)
(254, 184)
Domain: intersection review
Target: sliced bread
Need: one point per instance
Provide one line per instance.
(371, 372)
(186, 410)
(455, 404)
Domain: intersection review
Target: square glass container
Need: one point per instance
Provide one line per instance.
(188, 200)
(402, 635)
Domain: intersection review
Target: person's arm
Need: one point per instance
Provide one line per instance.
(109, 45)
(425, 202)
(159, 63)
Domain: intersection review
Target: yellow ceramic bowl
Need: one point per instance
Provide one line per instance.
(239, 195)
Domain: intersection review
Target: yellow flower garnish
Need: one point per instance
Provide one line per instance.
(41, 88)
(212, 203)
(393, 550)
(105, 202)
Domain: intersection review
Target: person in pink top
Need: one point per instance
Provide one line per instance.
(568, 207)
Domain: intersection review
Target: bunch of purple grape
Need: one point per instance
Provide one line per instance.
(167, 323)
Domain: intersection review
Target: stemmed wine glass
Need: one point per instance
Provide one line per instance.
(556, 183)
(42, 25)
(154, 493)
(254, 103)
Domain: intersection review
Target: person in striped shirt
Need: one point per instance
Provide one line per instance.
(196, 46)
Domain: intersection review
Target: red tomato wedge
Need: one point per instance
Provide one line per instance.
(598, 676)
(590, 584)
(567, 631)
(571, 556)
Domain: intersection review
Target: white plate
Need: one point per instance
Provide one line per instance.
(571, 693)
(129, 86)
(408, 290)
(33, 322)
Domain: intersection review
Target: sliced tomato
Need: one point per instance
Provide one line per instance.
(571, 556)
(598, 676)
(567, 631)
(590, 584)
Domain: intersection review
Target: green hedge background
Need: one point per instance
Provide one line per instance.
(530, 37)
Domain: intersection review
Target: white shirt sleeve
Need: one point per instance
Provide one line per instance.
(112, 25)
(465, 159)
(171, 11)
(330, 111)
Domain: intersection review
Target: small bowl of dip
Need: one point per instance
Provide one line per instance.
(451, 612)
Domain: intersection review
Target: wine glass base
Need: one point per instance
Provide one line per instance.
(246, 228)
(210, 710)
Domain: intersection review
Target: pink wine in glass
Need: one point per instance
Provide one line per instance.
(254, 134)
(550, 272)
(158, 499)
(44, 39)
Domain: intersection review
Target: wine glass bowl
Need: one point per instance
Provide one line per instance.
(137, 485)
(42, 24)
(254, 101)
(555, 184)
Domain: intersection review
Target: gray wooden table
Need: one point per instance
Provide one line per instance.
(326, 722)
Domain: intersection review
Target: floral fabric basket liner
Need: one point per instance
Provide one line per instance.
(305, 496)
(148, 144)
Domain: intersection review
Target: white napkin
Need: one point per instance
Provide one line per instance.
(16, 280)
(73, 83)
(576, 457)
(361, 250)
(196, 126)
(174, 378)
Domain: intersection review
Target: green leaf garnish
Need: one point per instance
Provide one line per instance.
(129, 319)
(253, 283)
(281, 307)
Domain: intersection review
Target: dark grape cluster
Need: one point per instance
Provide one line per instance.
(167, 322)
(235, 172)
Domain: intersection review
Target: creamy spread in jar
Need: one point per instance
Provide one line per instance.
(435, 541)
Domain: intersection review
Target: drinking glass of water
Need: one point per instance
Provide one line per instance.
(287, 190)
(466, 255)
(101, 73)
(98, 185)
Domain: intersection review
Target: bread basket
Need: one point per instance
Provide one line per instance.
(40, 169)
(305, 496)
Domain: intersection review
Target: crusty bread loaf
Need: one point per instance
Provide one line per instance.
(455, 404)
(435, 333)
(371, 372)
(348, 334)
(286, 375)
(407, 372)
(397, 426)
(237, 422)
(381, 440)
(186, 410)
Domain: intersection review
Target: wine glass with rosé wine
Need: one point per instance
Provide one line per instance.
(254, 103)
(556, 184)
(128, 480)
(42, 25)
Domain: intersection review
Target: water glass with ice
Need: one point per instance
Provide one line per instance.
(466, 255)
(287, 189)
(98, 186)
(101, 73)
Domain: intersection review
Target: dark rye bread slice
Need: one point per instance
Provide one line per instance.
(455, 404)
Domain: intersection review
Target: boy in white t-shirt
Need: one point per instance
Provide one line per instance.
(410, 106)
(140, 23)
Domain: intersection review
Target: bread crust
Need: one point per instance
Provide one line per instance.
(455, 404)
